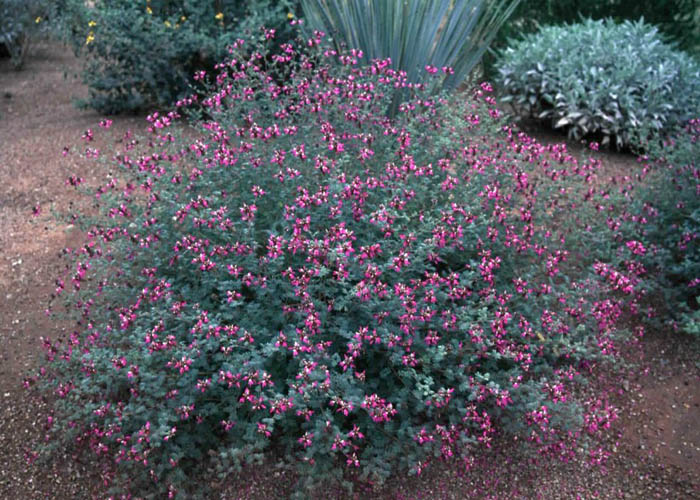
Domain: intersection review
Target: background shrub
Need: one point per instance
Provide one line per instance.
(19, 20)
(143, 54)
(678, 21)
(591, 92)
(307, 277)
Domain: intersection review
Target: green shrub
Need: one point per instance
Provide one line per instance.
(19, 20)
(144, 54)
(625, 78)
(691, 320)
(307, 277)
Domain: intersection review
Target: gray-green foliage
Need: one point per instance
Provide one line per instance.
(414, 33)
(601, 79)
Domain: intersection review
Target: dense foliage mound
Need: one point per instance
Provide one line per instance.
(307, 277)
(19, 19)
(669, 225)
(677, 20)
(626, 78)
(140, 55)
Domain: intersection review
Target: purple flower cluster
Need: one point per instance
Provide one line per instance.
(304, 272)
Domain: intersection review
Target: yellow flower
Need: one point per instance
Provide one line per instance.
(148, 10)
(90, 38)
(183, 19)
(92, 23)
(37, 20)
(167, 23)
(290, 15)
(219, 16)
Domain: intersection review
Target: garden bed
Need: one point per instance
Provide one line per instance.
(655, 446)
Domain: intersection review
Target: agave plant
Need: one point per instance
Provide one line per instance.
(414, 33)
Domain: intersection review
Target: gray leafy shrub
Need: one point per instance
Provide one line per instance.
(602, 79)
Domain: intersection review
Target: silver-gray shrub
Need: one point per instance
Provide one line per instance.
(601, 79)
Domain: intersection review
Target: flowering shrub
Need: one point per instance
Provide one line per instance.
(669, 200)
(590, 93)
(307, 277)
(143, 54)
